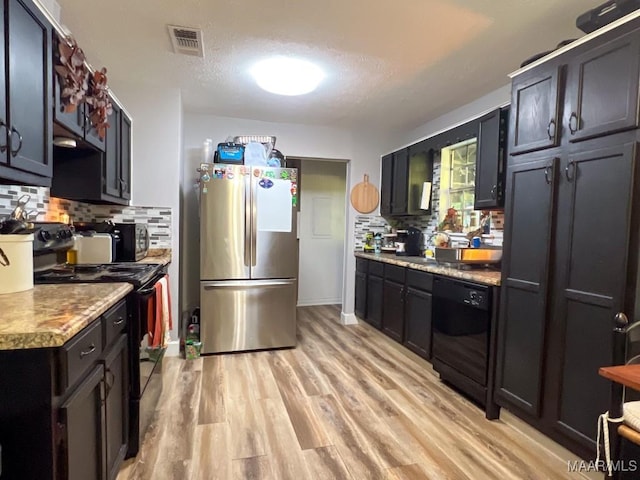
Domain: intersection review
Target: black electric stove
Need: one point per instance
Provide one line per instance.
(135, 273)
(51, 243)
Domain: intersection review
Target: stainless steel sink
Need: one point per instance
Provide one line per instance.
(483, 255)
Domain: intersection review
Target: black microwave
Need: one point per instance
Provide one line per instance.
(134, 242)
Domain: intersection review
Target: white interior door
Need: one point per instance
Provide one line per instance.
(322, 230)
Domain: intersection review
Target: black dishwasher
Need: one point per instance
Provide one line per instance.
(461, 325)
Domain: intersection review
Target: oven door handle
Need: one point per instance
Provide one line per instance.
(146, 292)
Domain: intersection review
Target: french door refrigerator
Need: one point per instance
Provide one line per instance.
(248, 257)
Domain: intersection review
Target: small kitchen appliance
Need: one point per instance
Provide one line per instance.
(409, 242)
(134, 242)
(130, 240)
(93, 248)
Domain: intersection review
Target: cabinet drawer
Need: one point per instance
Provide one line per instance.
(376, 268)
(114, 322)
(361, 265)
(419, 280)
(80, 354)
(394, 273)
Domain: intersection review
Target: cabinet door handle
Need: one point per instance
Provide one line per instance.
(84, 353)
(573, 123)
(494, 191)
(15, 152)
(551, 129)
(547, 175)
(571, 164)
(621, 321)
(3, 148)
(109, 380)
(118, 322)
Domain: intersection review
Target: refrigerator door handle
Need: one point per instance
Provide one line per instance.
(247, 224)
(254, 223)
(245, 283)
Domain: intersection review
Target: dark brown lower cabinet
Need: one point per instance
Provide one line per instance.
(530, 208)
(393, 301)
(573, 211)
(393, 310)
(361, 295)
(374, 300)
(116, 382)
(65, 415)
(417, 328)
(82, 430)
(417, 315)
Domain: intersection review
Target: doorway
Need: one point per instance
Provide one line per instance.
(321, 231)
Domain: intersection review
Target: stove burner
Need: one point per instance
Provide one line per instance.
(86, 268)
(136, 274)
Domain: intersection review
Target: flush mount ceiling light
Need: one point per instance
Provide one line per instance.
(287, 76)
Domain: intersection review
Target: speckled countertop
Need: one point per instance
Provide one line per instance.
(49, 315)
(157, 255)
(487, 277)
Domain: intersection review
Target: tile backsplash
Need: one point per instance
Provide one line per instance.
(52, 209)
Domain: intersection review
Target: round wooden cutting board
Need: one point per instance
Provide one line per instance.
(364, 196)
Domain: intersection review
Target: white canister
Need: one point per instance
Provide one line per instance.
(16, 263)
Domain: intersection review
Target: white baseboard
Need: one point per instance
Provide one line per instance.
(348, 318)
(173, 349)
(322, 301)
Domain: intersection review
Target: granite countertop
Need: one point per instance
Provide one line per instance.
(157, 255)
(49, 315)
(487, 277)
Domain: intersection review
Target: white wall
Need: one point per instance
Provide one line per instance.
(484, 104)
(156, 150)
(361, 149)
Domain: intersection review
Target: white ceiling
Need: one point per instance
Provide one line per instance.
(390, 65)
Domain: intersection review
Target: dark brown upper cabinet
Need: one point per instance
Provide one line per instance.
(386, 184)
(76, 124)
(403, 175)
(602, 89)
(535, 111)
(490, 162)
(399, 187)
(26, 88)
(93, 176)
(117, 160)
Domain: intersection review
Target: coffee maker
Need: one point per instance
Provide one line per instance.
(409, 242)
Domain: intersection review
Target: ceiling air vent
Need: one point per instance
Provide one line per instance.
(186, 40)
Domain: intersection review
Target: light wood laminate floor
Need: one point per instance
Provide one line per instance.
(347, 403)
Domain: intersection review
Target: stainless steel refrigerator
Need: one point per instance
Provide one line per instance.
(248, 257)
